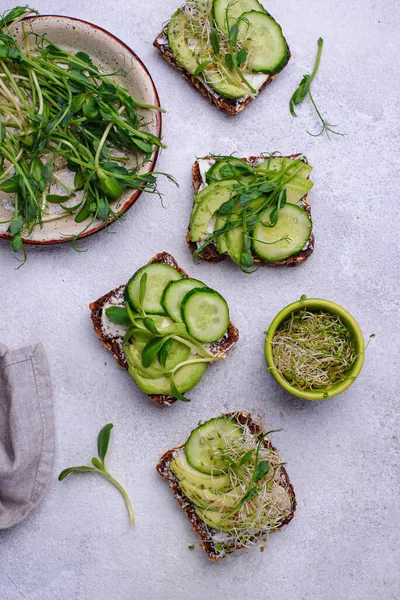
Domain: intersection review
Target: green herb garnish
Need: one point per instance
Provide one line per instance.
(59, 112)
(313, 350)
(100, 468)
(304, 90)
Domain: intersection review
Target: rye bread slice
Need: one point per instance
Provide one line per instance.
(211, 254)
(199, 527)
(112, 339)
(232, 107)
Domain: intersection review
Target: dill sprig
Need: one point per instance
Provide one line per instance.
(313, 350)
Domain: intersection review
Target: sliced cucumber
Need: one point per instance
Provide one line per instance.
(286, 238)
(178, 353)
(158, 276)
(175, 292)
(264, 41)
(205, 314)
(221, 169)
(235, 9)
(185, 379)
(211, 199)
(178, 42)
(208, 444)
(184, 472)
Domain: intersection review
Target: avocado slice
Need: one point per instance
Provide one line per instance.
(185, 473)
(212, 518)
(185, 378)
(276, 164)
(178, 42)
(226, 83)
(178, 353)
(234, 243)
(207, 202)
(206, 498)
(220, 241)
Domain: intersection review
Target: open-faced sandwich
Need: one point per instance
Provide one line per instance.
(230, 481)
(229, 50)
(253, 210)
(165, 328)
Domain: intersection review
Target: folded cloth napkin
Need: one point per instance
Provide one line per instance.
(26, 431)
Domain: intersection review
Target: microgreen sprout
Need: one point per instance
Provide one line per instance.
(59, 114)
(313, 350)
(304, 90)
(100, 468)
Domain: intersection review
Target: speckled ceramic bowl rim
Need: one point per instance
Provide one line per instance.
(132, 199)
(348, 320)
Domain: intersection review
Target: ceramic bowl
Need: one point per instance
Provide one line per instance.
(317, 305)
(110, 54)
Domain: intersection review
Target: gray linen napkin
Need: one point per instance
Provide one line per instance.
(26, 431)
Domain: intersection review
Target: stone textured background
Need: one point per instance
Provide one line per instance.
(343, 454)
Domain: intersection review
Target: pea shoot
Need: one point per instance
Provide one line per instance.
(304, 90)
(60, 113)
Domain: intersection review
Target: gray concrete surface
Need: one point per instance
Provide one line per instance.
(343, 454)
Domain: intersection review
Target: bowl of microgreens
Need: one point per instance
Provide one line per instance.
(80, 127)
(314, 349)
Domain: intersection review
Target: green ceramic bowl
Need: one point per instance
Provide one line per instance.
(316, 304)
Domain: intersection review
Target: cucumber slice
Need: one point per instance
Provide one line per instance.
(207, 445)
(185, 379)
(175, 292)
(215, 174)
(235, 9)
(278, 164)
(178, 353)
(207, 202)
(158, 276)
(264, 41)
(293, 222)
(205, 314)
(178, 42)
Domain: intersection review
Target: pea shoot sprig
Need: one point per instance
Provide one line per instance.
(59, 113)
(304, 90)
(99, 467)
(249, 199)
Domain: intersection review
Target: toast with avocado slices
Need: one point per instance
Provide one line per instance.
(158, 327)
(230, 481)
(253, 210)
(228, 50)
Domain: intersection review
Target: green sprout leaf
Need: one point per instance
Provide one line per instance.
(201, 67)
(214, 39)
(103, 440)
(118, 314)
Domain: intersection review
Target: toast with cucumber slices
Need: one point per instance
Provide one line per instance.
(231, 482)
(253, 210)
(229, 50)
(164, 328)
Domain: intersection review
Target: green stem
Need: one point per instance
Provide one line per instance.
(317, 60)
(119, 487)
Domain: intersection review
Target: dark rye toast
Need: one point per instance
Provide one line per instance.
(199, 527)
(211, 253)
(232, 107)
(112, 339)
